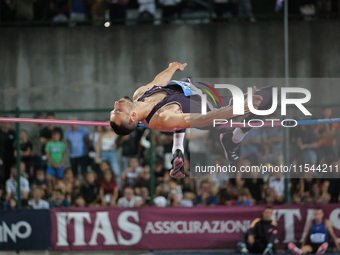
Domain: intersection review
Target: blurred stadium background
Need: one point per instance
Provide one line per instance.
(71, 59)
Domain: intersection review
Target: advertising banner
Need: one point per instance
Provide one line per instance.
(173, 228)
(25, 230)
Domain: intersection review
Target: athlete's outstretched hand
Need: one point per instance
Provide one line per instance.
(180, 67)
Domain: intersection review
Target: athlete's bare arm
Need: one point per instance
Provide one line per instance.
(309, 225)
(332, 234)
(161, 79)
(170, 120)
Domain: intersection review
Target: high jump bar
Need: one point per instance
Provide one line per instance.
(104, 123)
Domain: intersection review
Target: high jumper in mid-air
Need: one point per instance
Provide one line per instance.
(164, 105)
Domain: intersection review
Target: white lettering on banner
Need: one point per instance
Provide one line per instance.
(14, 231)
(101, 226)
(133, 229)
(289, 222)
(62, 230)
(310, 215)
(335, 219)
(191, 227)
(79, 232)
(105, 230)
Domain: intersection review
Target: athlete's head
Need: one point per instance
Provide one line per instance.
(124, 118)
(318, 213)
(267, 213)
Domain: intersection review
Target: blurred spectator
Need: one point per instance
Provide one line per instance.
(188, 200)
(276, 185)
(143, 180)
(160, 201)
(34, 138)
(40, 180)
(24, 10)
(7, 138)
(197, 146)
(333, 184)
(37, 202)
(7, 10)
(273, 137)
(77, 140)
(25, 151)
(58, 200)
(175, 194)
(129, 200)
(206, 197)
(224, 198)
(294, 147)
(306, 183)
(93, 137)
(144, 194)
(243, 199)
(327, 137)
(308, 143)
(108, 191)
(79, 201)
(166, 142)
(118, 11)
(69, 184)
(46, 132)
(103, 167)
(59, 10)
(12, 203)
(11, 186)
(55, 153)
(171, 9)
(131, 173)
(146, 10)
(129, 144)
(226, 6)
(188, 184)
(89, 190)
(159, 171)
(245, 10)
(256, 187)
(106, 150)
(250, 146)
(296, 199)
(318, 194)
(219, 179)
(214, 144)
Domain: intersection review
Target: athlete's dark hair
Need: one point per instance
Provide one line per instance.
(268, 207)
(318, 207)
(125, 128)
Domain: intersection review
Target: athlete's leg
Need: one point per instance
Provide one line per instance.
(178, 152)
(230, 141)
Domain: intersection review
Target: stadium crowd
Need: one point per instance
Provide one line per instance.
(145, 11)
(75, 167)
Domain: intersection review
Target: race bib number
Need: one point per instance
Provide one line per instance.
(317, 238)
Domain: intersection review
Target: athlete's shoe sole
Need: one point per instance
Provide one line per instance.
(176, 172)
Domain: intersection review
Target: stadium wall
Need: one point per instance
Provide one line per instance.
(91, 66)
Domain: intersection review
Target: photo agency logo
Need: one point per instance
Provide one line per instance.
(238, 101)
